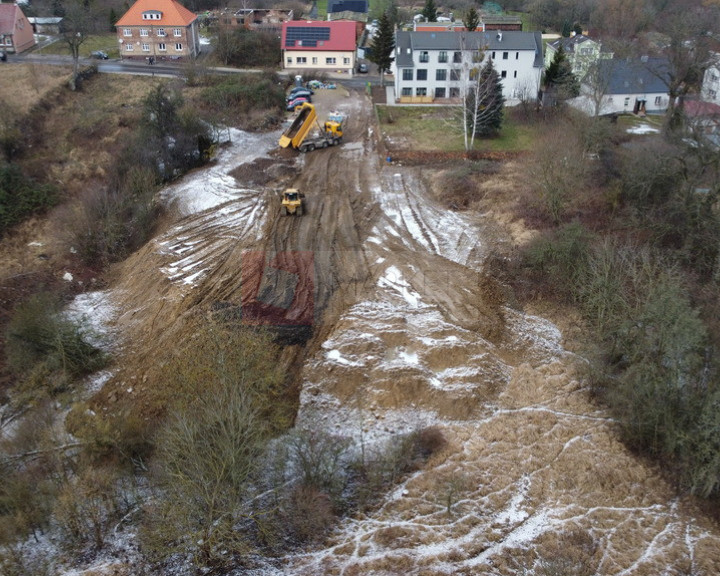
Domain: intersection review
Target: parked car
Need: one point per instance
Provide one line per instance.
(295, 103)
(362, 68)
(99, 54)
(297, 90)
(300, 94)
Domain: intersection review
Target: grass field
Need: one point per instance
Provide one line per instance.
(434, 128)
(105, 42)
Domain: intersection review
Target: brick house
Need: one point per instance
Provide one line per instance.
(16, 33)
(319, 45)
(161, 29)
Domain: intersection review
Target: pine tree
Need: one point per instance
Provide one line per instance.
(472, 19)
(559, 78)
(383, 46)
(429, 11)
(486, 102)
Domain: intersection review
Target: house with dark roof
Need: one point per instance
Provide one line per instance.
(434, 67)
(626, 86)
(319, 45)
(487, 22)
(356, 10)
(581, 51)
(158, 29)
(16, 33)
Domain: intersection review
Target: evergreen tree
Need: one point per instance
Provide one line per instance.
(112, 18)
(472, 19)
(486, 102)
(392, 13)
(383, 46)
(430, 11)
(559, 79)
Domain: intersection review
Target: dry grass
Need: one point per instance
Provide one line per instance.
(23, 85)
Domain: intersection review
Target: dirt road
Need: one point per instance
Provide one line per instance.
(403, 329)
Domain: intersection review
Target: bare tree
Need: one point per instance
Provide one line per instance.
(75, 27)
(481, 99)
(687, 50)
(595, 85)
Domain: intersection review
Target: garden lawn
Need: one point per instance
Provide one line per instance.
(106, 42)
(434, 128)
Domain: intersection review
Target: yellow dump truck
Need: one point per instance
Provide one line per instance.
(306, 134)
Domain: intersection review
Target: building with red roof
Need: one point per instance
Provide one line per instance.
(319, 45)
(16, 33)
(158, 29)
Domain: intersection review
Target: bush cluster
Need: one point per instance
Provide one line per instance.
(240, 99)
(20, 196)
(632, 238)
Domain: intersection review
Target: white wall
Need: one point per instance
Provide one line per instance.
(317, 59)
(518, 67)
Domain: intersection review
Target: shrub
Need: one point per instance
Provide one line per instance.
(107, 224)
(227, 402)
(41, 342)
(560, 257)
(86, 507)
(242, 94)
(255, 49)
(461, 185)
(20, 196)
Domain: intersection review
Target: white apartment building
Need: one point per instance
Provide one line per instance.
(437, 66)
(710, 91)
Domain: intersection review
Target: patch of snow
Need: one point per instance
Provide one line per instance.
(643, 129)
(212, 186)
(393, 279)
(68, 277)
(95, 313)
(336, 356)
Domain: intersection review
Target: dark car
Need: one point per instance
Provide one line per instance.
(363, 68)
(295, 103)
(99, 54)
(300, 90)
(300, 94)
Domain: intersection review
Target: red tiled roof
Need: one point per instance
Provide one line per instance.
(7, 18)
(699, 108)
(342, 35)
(173, 14)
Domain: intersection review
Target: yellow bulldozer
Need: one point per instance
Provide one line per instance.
(292, 202)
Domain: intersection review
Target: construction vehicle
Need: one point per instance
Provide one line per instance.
(306, 134)
(292, 202)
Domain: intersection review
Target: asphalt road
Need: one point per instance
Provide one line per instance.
(164, 69)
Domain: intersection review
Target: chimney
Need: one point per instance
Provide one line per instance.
(499, 36)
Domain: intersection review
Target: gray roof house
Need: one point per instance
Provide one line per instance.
(580, 50)
(617, 86)
(435, 67)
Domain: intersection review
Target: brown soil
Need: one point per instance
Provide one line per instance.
(391, 322)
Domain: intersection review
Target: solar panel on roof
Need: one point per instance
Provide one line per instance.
(306, 35)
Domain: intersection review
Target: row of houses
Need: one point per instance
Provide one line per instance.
(432, 62)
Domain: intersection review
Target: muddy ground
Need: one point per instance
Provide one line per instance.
(391, 324)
